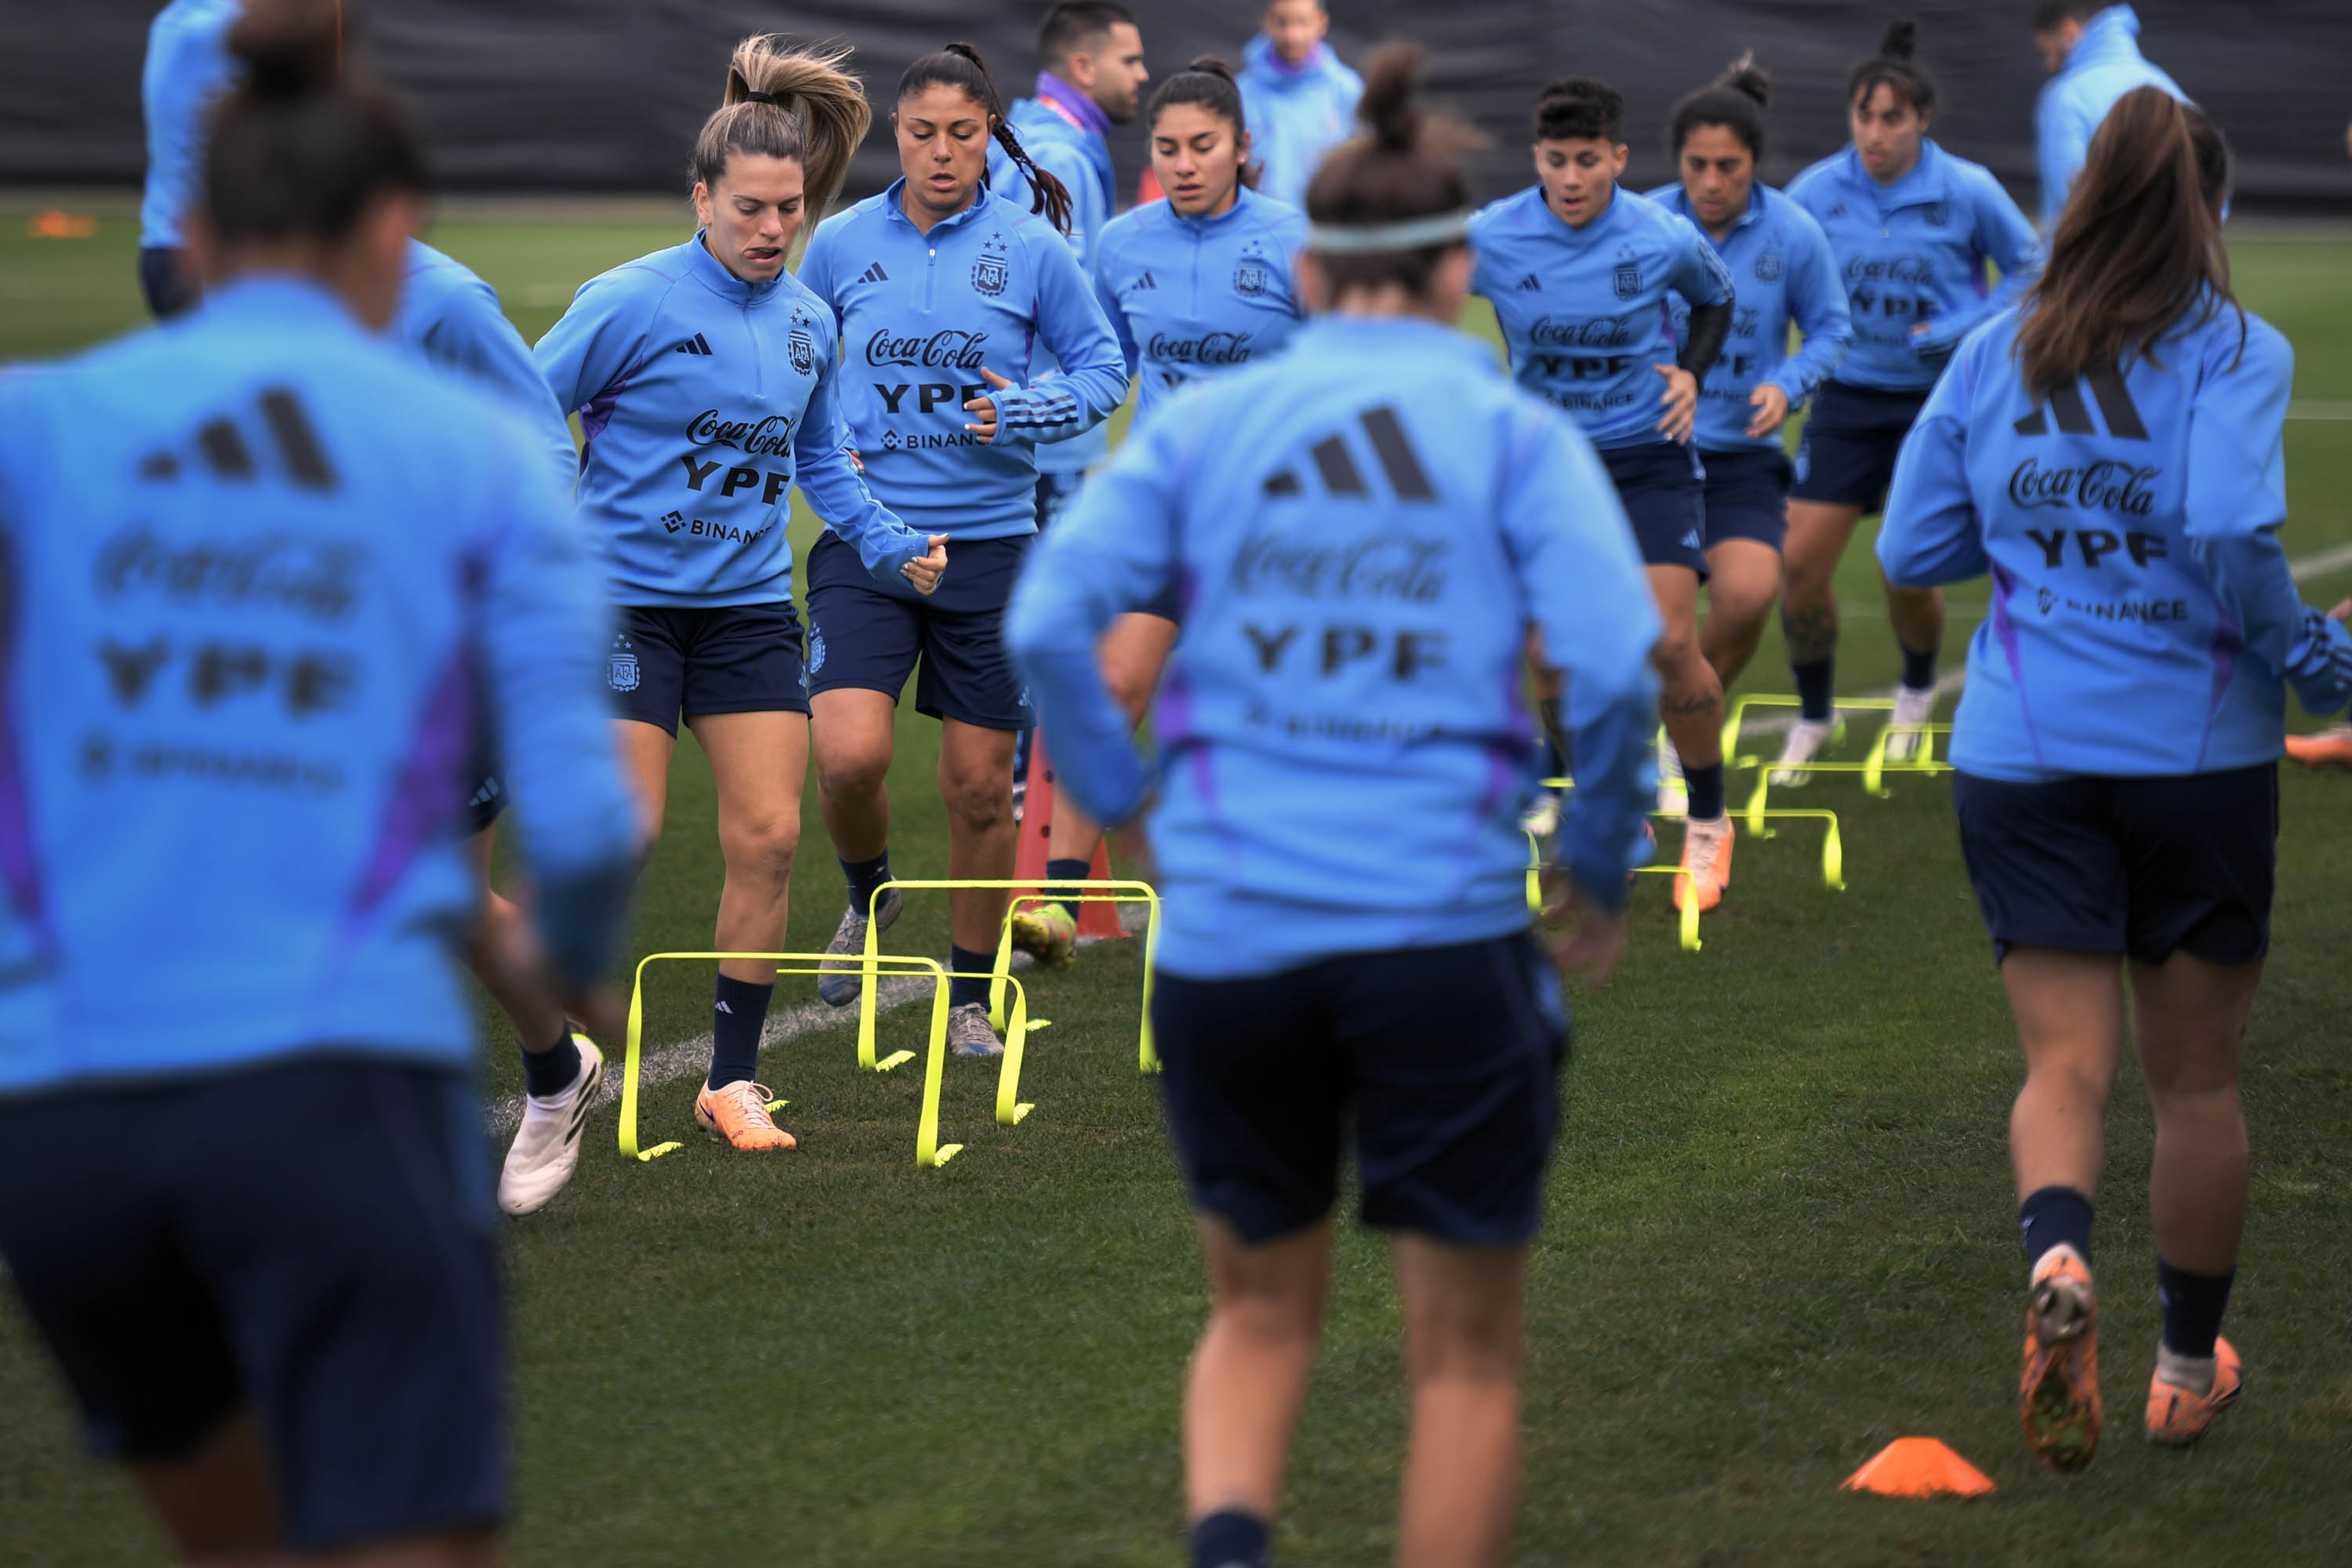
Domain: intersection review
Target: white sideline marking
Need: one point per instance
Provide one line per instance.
(2321, 408)
(666, 1064)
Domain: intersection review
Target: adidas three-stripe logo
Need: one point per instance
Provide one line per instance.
(1335, 466)
(1531, 284)
(2074, 417)
(697, 344)
(1146, 281)
(873, 274)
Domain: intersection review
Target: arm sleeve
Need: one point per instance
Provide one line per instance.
(1113, 550)
(1591, 604)
(837, 492)
(1817, 303)
(1109, 300)
(592, 345)
(540, 629)
(1703, 343)
(2004, 237)
(475, 335)
(2236, 502)
(1931, 532)
(816, 265)
(1700, 276)
(1092, 382)
(2062, 140)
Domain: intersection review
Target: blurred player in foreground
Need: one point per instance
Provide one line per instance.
(2111, 453)
(1371, 525)
(261, 564)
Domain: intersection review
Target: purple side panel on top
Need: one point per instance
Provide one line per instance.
(17, 863)
(428, 793)
(599, 410)
(2004, 632)
(2229, 641)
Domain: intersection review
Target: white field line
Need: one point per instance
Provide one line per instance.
(2321, 408)
(664, 1064)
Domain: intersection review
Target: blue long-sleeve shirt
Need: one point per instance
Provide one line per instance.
(263, 566)
(451, 317)
(1584, 311)
(1915, 251)
(2104, 64)
(1781, 264)
(1363, 530)
(1079, 156)
(1295, 114)
(703, 399)
(188, 66)
(1196, 296)
(2144, 620)
(921, 315)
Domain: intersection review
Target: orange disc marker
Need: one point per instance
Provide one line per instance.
(1919, 1467)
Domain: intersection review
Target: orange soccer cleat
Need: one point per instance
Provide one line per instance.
(2178, 1416)
(2058, 1394)
(1706, 856)
(2328, 748)
(737, 1112)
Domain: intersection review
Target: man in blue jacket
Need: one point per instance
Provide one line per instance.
(187, 69)
(2092, 52)
(1300, 100)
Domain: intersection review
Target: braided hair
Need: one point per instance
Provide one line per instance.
(958, 66)
(1894, 67)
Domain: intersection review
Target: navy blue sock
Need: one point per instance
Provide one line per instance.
(2193, 1305)
(1232, 1539)
(863, 876)
(1070, 871)
(1815, 684)
(971, 972)
(550, 1072)
(736, 1019)
(2052, 1215)
(1919, 669)
(1704, 787)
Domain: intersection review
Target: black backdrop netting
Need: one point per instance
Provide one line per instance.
(591, 96)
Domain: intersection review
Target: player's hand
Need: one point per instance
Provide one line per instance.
(926, 571)
(1593, 941)
(1771, 405)
(983, 409)
(2342, 612)
(1681, 400)
(854, 460)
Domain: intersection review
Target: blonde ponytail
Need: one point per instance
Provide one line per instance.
(782, 102)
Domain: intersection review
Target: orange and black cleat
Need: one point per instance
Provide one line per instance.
(2177, 1417)
(2058, 1394)
(2328, 748)
(739, 1113)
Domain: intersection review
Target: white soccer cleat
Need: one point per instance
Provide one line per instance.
(1911, 708)
(1674, 795)
(547, 1145)
(968, 1034)
(1541, 819)
(1806, 739)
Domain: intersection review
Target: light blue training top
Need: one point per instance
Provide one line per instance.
(1297, 114)
(2104, 64)
(269, 573)
(188, 67)
(1080, 159)
(451, 317)
(1585, 312)
(703, 399)
(1363, 530)
(2143, 617)
(1195, 297)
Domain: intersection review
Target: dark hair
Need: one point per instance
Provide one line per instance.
(958, 66)
(1209, 82)
(2053, 15)
(1578, 106)
(1073, 23)
(302, 149)
(786, 103)
(2137, 246)
(1399, 165)
(1893, 66)
(1734, 100)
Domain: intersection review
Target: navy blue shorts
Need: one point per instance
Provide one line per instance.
(2143, 867)
(1449, 1058)
(1664, 492)
(1746, 496)
(310, 1240)
(867, 637)
(742, 658)
(1847, 456)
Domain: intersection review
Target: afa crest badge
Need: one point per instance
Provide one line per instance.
(621, 675)
(1626, 276)
(803, 350)
(991, 273)
(1938, 214)
(1769, 265)
(1250, 277)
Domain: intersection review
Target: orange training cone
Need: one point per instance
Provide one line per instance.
(1034, 846)
(1919, 1467)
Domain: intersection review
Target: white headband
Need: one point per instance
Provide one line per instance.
(1413, 233)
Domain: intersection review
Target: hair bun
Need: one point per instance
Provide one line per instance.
(291, 47)
(1901, 41)
(1745, 77)
(1209, 65)
(1387, 107)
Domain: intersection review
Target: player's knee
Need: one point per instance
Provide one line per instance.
(763, 846)
(1677, 651)
(978, 801)
(852, 773)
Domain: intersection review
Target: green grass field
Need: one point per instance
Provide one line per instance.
(1780, 1230)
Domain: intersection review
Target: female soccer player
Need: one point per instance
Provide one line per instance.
(707, 380)
(1780, 261)
(262, 563)
(1580, 274)
(1195, 285)
(2111, 453)
(1912, 228)
(1369, 528)
(940, 289)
